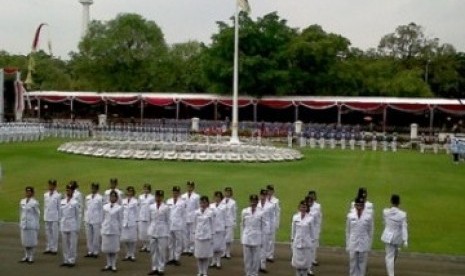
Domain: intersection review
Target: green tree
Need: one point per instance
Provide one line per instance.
(123, 54)
(263, 68)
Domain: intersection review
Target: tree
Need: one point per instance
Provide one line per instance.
(184, 67)
(123, 54)
(313, 54)
(263, 68)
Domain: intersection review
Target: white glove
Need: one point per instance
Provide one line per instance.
(405, 244)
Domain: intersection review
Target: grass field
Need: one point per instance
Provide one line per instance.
(432, 188)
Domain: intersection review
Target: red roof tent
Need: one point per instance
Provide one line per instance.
(414, 105)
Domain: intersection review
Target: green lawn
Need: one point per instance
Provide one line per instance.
(432, 188)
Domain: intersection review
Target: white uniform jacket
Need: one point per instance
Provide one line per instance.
(130, 212)
(395, 223)
(177, 214)
(93, 212)
(159, 221)
(106, 196)
(268, 210)
(277, 211)
(29, 214)
(231, 211)
(192, 204)
(219, 217)
(203, 224)
(315, 209)
(52, 206)
(70, 215)
(145, 200)
(302, 231)
(112, 219)
(359, 232)
(252, 226)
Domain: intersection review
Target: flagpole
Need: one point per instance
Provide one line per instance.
(234, 128)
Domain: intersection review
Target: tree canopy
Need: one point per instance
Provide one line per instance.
(129, 53)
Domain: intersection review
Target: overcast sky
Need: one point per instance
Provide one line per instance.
(363, 22)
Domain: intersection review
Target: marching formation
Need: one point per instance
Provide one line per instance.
(193, 225)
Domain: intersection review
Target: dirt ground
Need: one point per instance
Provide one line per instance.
(333, 261)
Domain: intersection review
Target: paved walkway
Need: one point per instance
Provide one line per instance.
(333, 261)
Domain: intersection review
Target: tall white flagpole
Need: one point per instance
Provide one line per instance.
(235, 120)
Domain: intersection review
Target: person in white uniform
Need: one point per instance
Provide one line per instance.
(203, 234)
(267, 208)
(252, 227)
(302, 240)
(113, 187)
(395, 232)
(29, 224)
(52, 200)
(93, 217)
(145, 200)
(359, 237)
(315, 208)
(112, 226)
(159, 232)
(130, 215)
(177, 226)
(231, 213)
(275, 227)
(219, 223)
(192, 204)
(69, 227)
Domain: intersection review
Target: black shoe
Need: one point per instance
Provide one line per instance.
(106, 268)
(47, 252)
(218, 266)
(95, 256)
(269, 260)
(315, 264)
(264, 271)
(71, 265)
(153, 272)
(310, 274)
(170, 262)
(114, 270)
(190, 254)
(64, 264)
(176, 263)
(212, 265)
(54, 253)
(89, 255)
(30, 262)
(161, 273)
(132, 259)
(23, 260)
(125, 259)
(185, 254)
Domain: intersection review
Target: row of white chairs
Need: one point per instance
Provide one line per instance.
(180, 151)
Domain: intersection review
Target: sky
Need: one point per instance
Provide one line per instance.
(363, 22)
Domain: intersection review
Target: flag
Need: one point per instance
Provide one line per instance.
(244, 5)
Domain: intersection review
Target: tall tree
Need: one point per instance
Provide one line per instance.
(123, 54)
(263, 65)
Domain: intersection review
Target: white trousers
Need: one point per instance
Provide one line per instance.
(358, 263)
(111, 260)
(158, 248)
(301, 272)
(189, 238)
(270, 251)
(69, 246)
(175, 244)
(51, 236)
(93, 238)
(266, 238)
(251, 259)
(392, 251)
